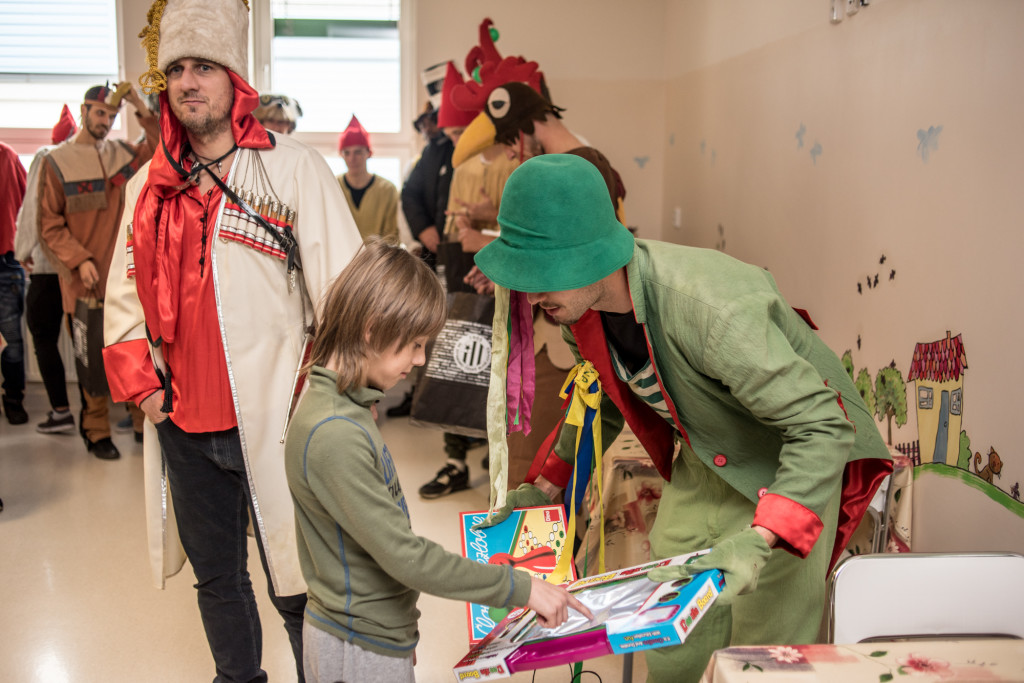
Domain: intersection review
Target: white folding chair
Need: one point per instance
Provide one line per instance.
(920, 595)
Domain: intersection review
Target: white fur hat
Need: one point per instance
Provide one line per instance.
(214, 30)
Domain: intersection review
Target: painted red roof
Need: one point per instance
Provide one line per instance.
(939, 361)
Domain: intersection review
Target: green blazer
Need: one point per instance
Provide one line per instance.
(753, 391)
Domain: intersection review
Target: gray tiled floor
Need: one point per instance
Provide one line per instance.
(76, 599)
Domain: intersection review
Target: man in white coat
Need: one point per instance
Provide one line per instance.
(227, 239)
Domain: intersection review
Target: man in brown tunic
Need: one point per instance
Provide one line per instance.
(81, 196)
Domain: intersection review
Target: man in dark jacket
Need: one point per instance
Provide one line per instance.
(425, 193)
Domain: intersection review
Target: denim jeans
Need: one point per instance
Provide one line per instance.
(210, 490)
(12, 306)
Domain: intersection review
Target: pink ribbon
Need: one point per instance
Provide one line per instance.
(521, 381)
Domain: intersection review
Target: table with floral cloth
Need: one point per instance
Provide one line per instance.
(913, 661)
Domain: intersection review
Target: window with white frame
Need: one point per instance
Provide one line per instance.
(337, 58)
(51, 52)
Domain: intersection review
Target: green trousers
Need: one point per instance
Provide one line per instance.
(697, 510)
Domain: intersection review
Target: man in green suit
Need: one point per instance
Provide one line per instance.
(776, 455)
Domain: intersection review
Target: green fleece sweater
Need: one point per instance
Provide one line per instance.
(363, 564)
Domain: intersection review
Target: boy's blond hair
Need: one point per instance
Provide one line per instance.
(384, 297)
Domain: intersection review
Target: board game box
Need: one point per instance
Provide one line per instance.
(631, 613)
(532, 539)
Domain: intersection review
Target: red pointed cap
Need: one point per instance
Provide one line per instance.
(354, 136)
(65, 127)
(451, 116)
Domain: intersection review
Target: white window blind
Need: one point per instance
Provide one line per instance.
(51, 52)
(58, 37)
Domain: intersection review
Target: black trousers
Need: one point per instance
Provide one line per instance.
(44, 314)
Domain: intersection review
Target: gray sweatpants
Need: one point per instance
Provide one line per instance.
(329, 659)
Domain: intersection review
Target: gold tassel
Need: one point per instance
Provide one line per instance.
(154, 80)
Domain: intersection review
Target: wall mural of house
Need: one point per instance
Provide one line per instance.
(938, 369)
(959, 501)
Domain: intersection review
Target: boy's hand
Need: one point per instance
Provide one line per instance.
(552, 603)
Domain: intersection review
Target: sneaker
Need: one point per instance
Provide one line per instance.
(16, 414)
(57, 422)
(449, 479)
(125, 425)
(104, 449)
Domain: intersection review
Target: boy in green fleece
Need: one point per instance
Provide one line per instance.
(363, 564)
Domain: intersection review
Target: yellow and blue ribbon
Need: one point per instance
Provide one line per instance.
(584, 413)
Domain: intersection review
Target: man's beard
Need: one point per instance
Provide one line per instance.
(202, 126)
(98, 132)
(206, 126)
(536, 149)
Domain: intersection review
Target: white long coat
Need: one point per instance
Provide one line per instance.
(261, 321)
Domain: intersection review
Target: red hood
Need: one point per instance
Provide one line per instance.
(245, 129)
(157, 239)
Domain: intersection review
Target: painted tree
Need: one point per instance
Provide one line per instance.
(867, 392)
(847, 360)
(891, 396)
(963, 458)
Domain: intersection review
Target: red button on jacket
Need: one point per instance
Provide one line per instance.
(720, 460)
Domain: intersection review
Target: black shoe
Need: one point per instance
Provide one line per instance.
(56, 423)
(449, 479)
(104, 449)
(16, 414)
(403, 408)
(138, 437)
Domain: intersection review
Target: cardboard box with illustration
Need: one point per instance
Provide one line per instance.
(631, 613)
(532, 539)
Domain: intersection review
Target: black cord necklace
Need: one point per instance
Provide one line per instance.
(201, 163)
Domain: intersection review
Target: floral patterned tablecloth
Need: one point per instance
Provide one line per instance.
(918, 661)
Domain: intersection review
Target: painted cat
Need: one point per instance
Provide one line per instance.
(994, 466)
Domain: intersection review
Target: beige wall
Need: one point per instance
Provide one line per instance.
(603, 60)
(742, 82)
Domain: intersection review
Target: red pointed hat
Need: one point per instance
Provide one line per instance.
(354, 136)
(64, 128)
(450, 115)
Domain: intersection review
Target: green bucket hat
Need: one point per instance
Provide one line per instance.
(558, 228)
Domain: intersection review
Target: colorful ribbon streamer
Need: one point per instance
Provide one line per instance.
(584, 413)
